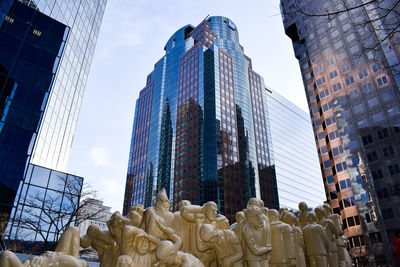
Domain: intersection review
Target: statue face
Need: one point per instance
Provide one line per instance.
(170, 258)
(142, 246)
(211, 212)
(256, 220)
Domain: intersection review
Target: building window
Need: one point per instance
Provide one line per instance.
(367, 139)
(321, 81)
(388, 151)
(337, 87)
(376, 67)
(349, 80)
(346, 68)
(377, 174)
(383, 133)
(342, 166)
(375, 237)
(362, 74)
(372, 156)
(381, 81)
(394, 169)
(333, 74)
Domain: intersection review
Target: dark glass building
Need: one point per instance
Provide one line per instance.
(46, 48)
(352, 80)
(31, 47)
(200, 128)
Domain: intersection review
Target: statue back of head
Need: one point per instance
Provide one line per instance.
(311, 217)
(273, 215)
(303, 206)
(327, 209)
(166, 252)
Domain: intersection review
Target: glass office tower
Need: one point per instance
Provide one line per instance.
(298, 174)
(201, 125)
(46, 50)
(354, 101)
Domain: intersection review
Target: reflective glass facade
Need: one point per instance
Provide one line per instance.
(46, 48)
(354, 101)
(56, 132)
(298, 174)
(45, 205)
(200, 128)
(31, 45)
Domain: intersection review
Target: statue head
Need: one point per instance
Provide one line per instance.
(166, 253)
(125, 261)
(303, 206)
(183, 203)
(142, 245)
(327, 209)
(239, 216)
(162, 200)
(311, 217)
(273, 215)
(209, 233)
(138, 208)
(319, 211)
(255, 216)
(134, 217)
(210, 210)
(290, 218)
(255, 202)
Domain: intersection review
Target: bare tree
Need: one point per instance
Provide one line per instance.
(49, 215)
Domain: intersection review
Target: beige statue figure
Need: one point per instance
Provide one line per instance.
(211, 216)
(167, 253)
(257, 238)
(184, 228)
(291, 219)
(103, 243)
(225, 243)
(237, 226)
(302, 217)
(332, 233)
(169, 256)
(135, 215)
(343, 254)
(65, 255)
(283, 250)
(316, 242)
(138, 245)
(160, 212)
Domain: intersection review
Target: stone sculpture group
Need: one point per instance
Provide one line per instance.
(199, 236)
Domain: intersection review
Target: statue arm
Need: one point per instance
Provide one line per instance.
(171, 235)
(189, 212)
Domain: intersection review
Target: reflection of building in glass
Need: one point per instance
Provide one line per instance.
(354, 101)
(200, 126)
(45, 205)
(29, 58)
(298, 174)
(44, 65)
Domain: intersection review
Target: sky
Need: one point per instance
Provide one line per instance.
(131, 40)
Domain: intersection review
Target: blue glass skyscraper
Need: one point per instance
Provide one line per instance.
(200, 125)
